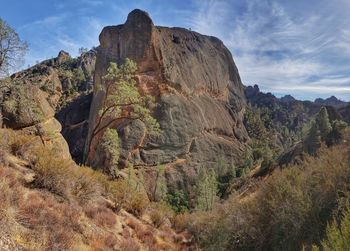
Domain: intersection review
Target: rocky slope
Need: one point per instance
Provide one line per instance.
(198, 90)
(49, 203)
(52, 98)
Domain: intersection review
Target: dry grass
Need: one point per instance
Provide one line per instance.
(67, 206)
(104, 217)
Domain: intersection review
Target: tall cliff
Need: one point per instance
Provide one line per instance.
(198, 90)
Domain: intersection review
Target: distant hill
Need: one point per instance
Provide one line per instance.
(331, 101)
(287, 98)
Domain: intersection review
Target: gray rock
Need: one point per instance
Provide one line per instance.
(197, 86)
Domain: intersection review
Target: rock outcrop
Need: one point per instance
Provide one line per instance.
(331, 101)
(197, 86)
(32, 98)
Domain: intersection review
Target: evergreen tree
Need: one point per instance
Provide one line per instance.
(313, 140)
(109, 144)
(338, 235)
(323, 123)
(123, 101)
(206, 189)
(336, 134)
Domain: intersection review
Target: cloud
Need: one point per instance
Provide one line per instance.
(283, 46)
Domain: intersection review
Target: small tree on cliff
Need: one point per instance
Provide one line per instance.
(12, 48)
(123, 101)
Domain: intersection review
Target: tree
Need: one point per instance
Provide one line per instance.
(336, 134)
(160, 187)
(206, 189)
(313, 140)
(12, 48)
(323, 123)
(122, 101)
(109, 144)
(338, 235)
(82, 50)
(178, 201)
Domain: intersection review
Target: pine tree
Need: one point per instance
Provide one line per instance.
(323, 123)
(109, 144)
(206, 189)
(123, 101)
(313, 140)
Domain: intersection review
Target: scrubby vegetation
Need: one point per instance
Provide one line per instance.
(50, 203)
(288, 211)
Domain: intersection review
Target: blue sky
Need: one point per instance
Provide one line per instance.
(294, 47)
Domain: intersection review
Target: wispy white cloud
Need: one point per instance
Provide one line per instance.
(279, 50)
(278, 44)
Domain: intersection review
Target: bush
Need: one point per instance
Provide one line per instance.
(338, 235)
(104, 217)
(160, 213)
(290, 209)
(64, 178)
(178, 201)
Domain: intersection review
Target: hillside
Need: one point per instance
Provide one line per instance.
(150, 141)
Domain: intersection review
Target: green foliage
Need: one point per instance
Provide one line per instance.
(322, 129)
(291, 208)
(338, 128)
(338, 235)
(206, 189)
(254, 124)
(19, 100)
(178, 201)
(123, 101)
(225, 173)
(247, 160)
(323, 123)
(122, 93)
(110, 146)
(69, 64)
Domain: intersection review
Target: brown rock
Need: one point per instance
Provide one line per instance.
(196, 84)
(63, 56)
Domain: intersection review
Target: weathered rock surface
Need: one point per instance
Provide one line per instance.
(74, 120)
(33, 97)
(198, 88)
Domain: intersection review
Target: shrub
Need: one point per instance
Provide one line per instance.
(178, 201)
(103, 216)
(124, 195)
(64, 178)
(160, 213)
(129, 244)
(290, 209)
(53, 222)
(338, 235)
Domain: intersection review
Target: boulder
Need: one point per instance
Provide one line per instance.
(198, 90)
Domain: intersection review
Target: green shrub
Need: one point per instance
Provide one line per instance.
(338, 235)
(178, 201)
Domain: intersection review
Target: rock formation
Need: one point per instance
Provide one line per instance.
(32, 99)
(197, 86)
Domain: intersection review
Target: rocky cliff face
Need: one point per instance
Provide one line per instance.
(198, 89)
(43, 100)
